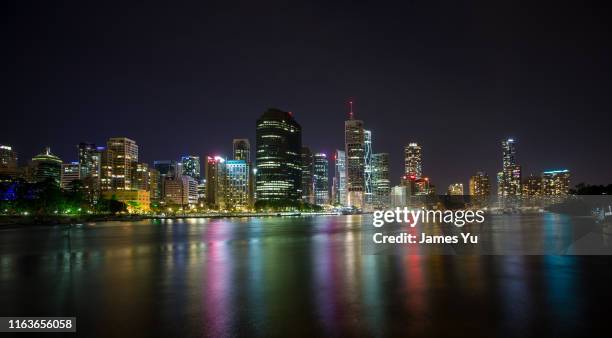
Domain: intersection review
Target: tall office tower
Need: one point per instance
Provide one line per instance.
(354, 142)
(480, 187)
(90, 160)
(242, 149)
(202, 192)
(166, 168)
(181, 190)
(510, 178)
(8, 162)
(399, 196)
(413, 161)
(216, 179)
(123, 153)
(191, 166)
(321, 179)
(237, 188)
(532, 186)
(380, 180)
(140, 176)
(455, 189)
(46, 166)
(70, 172)
(279, 160)
(556, 182)
(339, 181)
(367, 168)
(154, 185)
(308, 194)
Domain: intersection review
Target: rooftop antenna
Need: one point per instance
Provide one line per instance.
(351, 114)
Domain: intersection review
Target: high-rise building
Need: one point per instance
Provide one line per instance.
(46, 166)
(455, 189)
(556, 183)
(166, 168)
(339, 181)
(123, 152)
(90, 160)
(354, 141)
(215, 182)
(242, 149)
(321, 179)
(480, 188)
(8, 161)
(140, 176)
(413, 161)
(70, 172)
(308, 193)
(237, 185)
(509, 179)
(191, 166)
(181, 190)
(399, 196)
(279, 162)
(154, 185)
(368, 193)
(380, 180)
(532, 186)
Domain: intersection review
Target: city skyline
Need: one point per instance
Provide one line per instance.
(207, 73)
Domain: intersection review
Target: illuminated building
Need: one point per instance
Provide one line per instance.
(455, 189)
(154, 185)
(380, 180)
(46, 166)
(321, 179)
(308, 194)
(191, 166)
(237, 184)
(399, 196)
(242, 149)
(202, 191)
(121, 154)
(354, 141)
(70, 172)
(413, 161)
(532, 186)
(556, 182)
(8, 162)
(181, 190)
(480, 187)
(215, 182)
(90, 160)
(339, 180)
(137, 201)
(367, 169)
(279, 161)
(140, 176)
(166, 168)
(509, 179)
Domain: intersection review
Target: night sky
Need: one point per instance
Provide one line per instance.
(178, 79)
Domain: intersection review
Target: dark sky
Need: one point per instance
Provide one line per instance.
(453, 76)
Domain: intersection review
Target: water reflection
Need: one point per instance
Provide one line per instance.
(292, 277)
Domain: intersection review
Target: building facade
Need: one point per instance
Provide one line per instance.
(46, 166)
(413, 160)
(339, 180)
(70, 172)
(237, 190)
(354, 143)
(380, 180)
(321, 179)
(122, 153)
(308, 193)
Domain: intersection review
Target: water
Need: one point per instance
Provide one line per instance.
(288, 277)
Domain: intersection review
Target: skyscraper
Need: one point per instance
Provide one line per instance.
(46, 166)
(556, 183)
(237, 185)
(8, 161)
(70, 172)
(308, 194)
(215, 182)
(339, 181)
(413, 162)
(354, 141)
(509, 179)
(367, 169)
(140, 176)
(480, 188)
(122, 152)
(279, 161)
(380, 180)
(242, 149)
(321, 179)
(191, 166)
(90, 161)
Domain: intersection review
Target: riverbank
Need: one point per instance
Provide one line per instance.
(76, 219)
